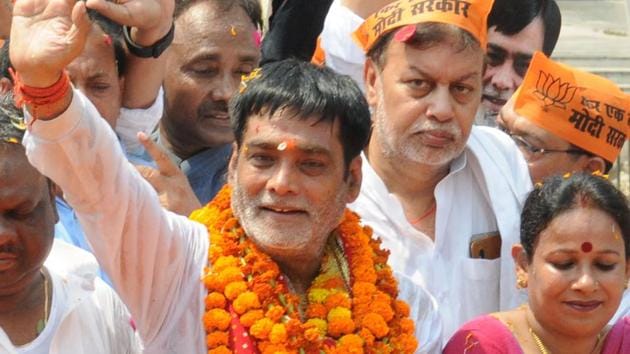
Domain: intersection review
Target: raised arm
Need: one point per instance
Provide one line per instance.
(154, 258)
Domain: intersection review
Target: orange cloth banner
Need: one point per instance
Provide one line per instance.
(470, 15)
(587, 110)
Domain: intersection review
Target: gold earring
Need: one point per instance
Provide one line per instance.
(521, 282)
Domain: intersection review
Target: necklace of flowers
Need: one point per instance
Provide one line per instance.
(351, 306)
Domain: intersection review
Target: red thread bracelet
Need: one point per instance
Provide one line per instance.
(37, 97)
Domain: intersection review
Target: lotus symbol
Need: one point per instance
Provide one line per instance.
(553, 92)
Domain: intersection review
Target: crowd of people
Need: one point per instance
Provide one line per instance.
(412, 176)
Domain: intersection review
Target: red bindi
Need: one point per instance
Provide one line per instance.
(587, 247)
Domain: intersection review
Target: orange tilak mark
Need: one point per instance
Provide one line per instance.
(287, 145)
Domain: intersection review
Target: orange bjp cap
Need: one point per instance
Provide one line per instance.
(587, 110)
(470, 15)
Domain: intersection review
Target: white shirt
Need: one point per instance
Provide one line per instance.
(483, 192)
(86, 316)
(154, 258)
(343, 55)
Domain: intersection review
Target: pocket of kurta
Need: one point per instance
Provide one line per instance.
(479, 288)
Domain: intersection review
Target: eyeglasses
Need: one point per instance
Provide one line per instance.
(538, 151)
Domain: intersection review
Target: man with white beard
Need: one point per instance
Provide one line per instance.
(445, 196)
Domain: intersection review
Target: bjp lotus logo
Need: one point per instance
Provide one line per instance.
(553, 92)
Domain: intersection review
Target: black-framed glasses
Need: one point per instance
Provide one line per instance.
(538, 151)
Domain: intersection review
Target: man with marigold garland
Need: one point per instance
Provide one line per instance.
(274, 263)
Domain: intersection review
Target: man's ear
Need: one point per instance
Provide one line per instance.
(594, 163)
(355, 176)
(370, 76)
(232, 164)
(53, 192)
(520, 261)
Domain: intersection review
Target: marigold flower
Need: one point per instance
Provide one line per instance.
(367, 336)
(234, 289)
(340, 327)
(261, 328)
(320, 325)
(216, 318)
(384, 309)
(246, 301)
(217, 339)
(405, 343)
(376, 324)
(220, 350)
(251, 316)
(351, 343)
(275, 313)
(278, 333)
(270, 348)
(340, 299)
(338, 313)
(361, 289)
(223, 262)
(312, 334)
(228, 275)
(316, 311)
(402, 308)
(318, 295)
(215, 300)
(406, 325)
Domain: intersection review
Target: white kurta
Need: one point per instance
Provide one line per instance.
(483, 192)
(86, 316)
(154, 258)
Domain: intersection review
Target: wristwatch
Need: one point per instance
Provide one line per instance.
(153, 51)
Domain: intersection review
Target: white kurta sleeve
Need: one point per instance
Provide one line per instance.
(132, 121)
(154, 257)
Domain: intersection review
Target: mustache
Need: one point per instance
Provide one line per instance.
(425, 125)
(491, 91)
(211, 107)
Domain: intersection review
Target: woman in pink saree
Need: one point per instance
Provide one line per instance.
(573, 261)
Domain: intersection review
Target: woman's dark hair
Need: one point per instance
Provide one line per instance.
(559, 194)
(305, 90)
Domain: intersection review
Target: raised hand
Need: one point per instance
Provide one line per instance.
(152, 19)
(46, 35)
(169, 181)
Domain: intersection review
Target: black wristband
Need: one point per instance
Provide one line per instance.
(153, 51)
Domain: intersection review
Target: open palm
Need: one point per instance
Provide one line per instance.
(46, 35)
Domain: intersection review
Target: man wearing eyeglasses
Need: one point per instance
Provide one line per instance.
(516, 29)
(566, 136)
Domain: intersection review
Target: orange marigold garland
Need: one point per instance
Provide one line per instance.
(351, 306)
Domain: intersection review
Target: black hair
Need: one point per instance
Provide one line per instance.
(108, 26)
(12, 126)
(251, 7)
(427, 34)
(5, 61)
(511, 16)
(115, 32)
(305, 90)
(559, 194)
